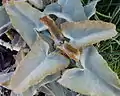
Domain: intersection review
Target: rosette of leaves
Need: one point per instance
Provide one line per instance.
(73, 40)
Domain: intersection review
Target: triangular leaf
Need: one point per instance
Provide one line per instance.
(59, 90)
(24, 18)
(49, 79)
(85, 82)
(30, 12)
(4, 21)
(88, 58)
(4, 18)
(36, 66)
(46, 90)
(67, 10)
(88, 32)
(4, 77)
(74, 9)
(90, 8)
(31, 61)
(37, 3)
(53, 8)
(96, 79)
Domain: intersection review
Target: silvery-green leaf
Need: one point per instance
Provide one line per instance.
(45, 35)
(74, 9)
(29, 92)
(90, 8)
(37, 3)
(41, 4)
(88, 32)
(5, 28)
(96, 79)
(67, 10)
(4, 77)
(88, 58)
(59, 21)
(30, 12)
(49, 79)
(36, 66)
(56, 9)
(4, 18)
(32, 60)
(61, 2)
(4, 21)
(46, 90)
(59, 90)
(33, 89)
(53, 8)
(18, 41)
(24, 18)
(24, 26)
(15, 94)
(85, 82)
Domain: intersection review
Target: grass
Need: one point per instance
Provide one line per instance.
(109, 11)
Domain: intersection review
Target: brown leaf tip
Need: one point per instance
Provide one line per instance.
(46, 20)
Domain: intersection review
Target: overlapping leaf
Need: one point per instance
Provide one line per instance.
(24, 18)
(4, 18)
(40, 67)
(40, 86)
(4, 77)
(88, 32)
(72, 10)
(69, 10)
(90, 8)
(49, 79)
(4, 21)
(58, 90)
(96, 79)
(37, 3)
(36, 66)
